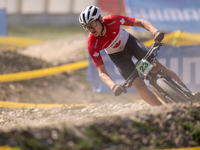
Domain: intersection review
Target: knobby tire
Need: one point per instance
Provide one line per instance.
(173, 93)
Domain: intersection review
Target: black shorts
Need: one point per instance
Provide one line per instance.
(123, 60)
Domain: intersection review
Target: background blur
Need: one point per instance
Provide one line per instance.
(53, 12)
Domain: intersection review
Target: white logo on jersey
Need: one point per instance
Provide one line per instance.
(122, 21)
(96, 54)
(114, 32)
(112, 22)
(95, 46)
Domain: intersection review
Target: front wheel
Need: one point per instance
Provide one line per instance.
(170, 93)
(160, 95)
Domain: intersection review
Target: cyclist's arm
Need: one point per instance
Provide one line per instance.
(146, 25)
(103, 74)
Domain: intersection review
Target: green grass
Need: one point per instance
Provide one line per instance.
(44, 32)
(193, 129)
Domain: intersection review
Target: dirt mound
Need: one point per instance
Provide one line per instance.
(104, 127)
(59, 51)
(51, 89)
(12, 62)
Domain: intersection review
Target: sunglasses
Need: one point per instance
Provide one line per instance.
(90, 25)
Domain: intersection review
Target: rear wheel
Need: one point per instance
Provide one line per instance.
(172, 93)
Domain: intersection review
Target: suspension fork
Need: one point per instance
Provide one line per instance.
(152, 77)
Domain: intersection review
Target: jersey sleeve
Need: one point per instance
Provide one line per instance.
(95, 54)
(121, 20)
(97, 59)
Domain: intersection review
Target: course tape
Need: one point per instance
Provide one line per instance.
(42, 72)
(4, 104)
(190, 148)
(18, 42)
(9, 148)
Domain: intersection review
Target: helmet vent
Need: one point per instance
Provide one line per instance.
(94, 12)
(80, 19)
(91, 20)
(88, 15)
(84, 18)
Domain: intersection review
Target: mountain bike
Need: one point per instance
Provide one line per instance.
(162, 84)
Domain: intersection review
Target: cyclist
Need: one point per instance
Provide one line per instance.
(108, 34)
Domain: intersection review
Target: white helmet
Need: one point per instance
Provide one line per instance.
(89, 14)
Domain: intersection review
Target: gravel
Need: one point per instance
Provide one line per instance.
(102, 127)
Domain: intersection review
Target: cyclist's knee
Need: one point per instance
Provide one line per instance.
(157, 66)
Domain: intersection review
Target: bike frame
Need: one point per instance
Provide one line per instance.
(129, 80)
(153, 76)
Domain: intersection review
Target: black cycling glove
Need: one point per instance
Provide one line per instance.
(158, 36)
(117, 90)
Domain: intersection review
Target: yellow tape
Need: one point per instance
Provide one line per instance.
(139, 100)
(5, 148)
(8, 148)
(176, 38)
(167, 40)
(6, 104)
(42, 72)
(18, 42)
(189, 148)
(35, 105)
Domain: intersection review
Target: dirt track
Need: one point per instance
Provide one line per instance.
(115, 123)
(112, 126)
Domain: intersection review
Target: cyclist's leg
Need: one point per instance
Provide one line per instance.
(145, 93)
(168, 71)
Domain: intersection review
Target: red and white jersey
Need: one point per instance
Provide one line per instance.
(113, 41)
